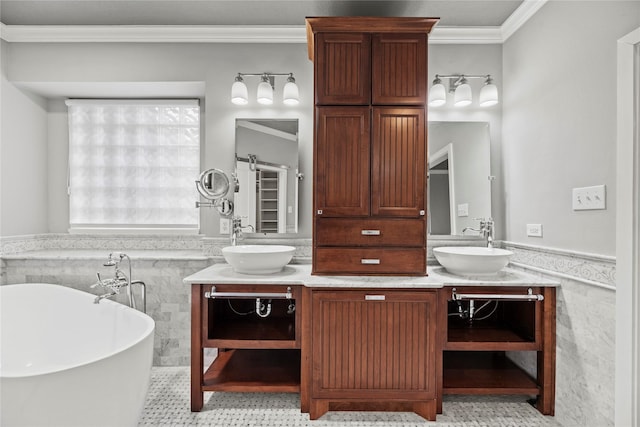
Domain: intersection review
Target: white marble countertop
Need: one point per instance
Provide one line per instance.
(300, 274)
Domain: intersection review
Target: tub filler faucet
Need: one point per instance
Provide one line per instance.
(120, 280)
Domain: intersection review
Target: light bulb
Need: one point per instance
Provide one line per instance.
(437, 93)
(462, 95)
(265, 91)
(239, 92)
(290, 93)
(488, 94)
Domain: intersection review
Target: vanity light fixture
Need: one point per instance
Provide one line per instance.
(264, 95)
(459, 86)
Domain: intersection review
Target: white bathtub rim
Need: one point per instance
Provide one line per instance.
(149, 330)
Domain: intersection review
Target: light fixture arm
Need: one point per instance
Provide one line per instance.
(456, 80)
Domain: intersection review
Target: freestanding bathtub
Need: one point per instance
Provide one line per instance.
(65, 361)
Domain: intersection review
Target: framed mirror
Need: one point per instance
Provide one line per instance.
(459, 189)
(267, 171)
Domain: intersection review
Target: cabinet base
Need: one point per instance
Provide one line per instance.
(254, 370)
(319, 407)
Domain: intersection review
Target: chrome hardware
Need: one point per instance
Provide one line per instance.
(264, 295)
(319, 211)
(374, 297)
(370, 232)
(263, 310)
(422, 212)
(369, 261)
(237, 230)
(530, 296)
(486, 230)
(120, 280)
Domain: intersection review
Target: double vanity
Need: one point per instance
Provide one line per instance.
(371, 342)
(368, 325)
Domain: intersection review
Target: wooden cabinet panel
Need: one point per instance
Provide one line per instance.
(399, 69)
(374, 344)
(398, 176)
(370, 232)
(342, 152)
(388, 260)
(343, 68)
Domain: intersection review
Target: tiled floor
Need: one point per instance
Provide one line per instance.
(168, 405)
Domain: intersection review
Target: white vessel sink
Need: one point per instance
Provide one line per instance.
(258, 259)
(472, 260)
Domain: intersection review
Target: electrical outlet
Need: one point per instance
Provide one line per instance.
(225, 226)
(534, 230)
(463, 209)
(588, 198)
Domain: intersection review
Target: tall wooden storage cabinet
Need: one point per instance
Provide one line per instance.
(370, 144)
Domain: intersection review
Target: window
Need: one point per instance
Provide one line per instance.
(133, 163)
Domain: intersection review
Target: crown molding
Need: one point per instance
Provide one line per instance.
(466, 35)
(526, 10)
(241, 34)
(151, 34)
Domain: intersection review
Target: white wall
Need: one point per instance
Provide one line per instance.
(559, 121)
(23, 159)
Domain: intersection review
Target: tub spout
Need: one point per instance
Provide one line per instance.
(101, 297)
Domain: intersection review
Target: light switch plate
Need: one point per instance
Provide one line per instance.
(463, 209)
(534, 230)
(589, 198)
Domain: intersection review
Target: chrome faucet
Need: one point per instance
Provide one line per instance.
(120, 280)
(485, 230)
(237, 230)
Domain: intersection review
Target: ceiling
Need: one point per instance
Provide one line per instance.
(452, 13)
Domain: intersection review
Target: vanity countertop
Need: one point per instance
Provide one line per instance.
(300, 274)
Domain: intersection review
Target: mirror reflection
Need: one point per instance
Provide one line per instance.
(266, 199)
(459, 189)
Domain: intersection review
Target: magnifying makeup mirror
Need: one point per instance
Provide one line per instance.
(213, 184)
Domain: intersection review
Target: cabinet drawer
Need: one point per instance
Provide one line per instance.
(370, 232)
(370, 261)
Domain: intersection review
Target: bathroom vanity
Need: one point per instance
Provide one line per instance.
(372, 343)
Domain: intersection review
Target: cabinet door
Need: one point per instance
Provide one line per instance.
(342, 153)
(399, 75)
(343, 68)
(373, 344)
(398, 176)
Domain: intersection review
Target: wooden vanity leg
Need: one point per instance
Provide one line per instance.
(318, 408)
(547, 357)
(197, 361)
(426, 410)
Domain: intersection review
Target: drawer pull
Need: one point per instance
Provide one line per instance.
(265, 295)
(374, 297)
(370, 261)
(504, 297)
(370, 232)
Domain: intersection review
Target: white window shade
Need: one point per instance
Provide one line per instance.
(133, 163)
